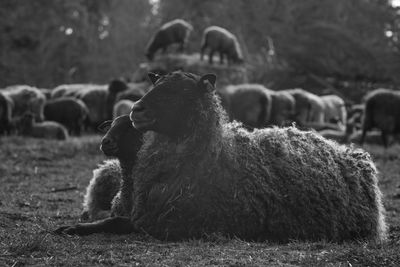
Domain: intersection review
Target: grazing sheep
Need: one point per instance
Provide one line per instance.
(26, 98)
(68, 111)
(249, 104)
(46, 129)
(309, 107)
(382, 111)
(175, 31)
(95, 97)
(334, 110)
(283, 108)
(197, 174)
(122, 107)
(111, 186)
(256, 106)
(220, 40)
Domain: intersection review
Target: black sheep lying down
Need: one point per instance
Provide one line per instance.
(196, 174)
(110, 190)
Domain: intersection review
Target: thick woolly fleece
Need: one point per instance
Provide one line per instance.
(272, 184)
(101, 194)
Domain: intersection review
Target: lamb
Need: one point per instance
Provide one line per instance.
(220, 40)
(382, 111)
(196, 174)
(46, 129)
(68, 111)
(122, 107)
(26, 99)
(283, 108)
(175, 31)
(111, 185)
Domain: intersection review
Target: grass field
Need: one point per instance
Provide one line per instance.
(31, 206)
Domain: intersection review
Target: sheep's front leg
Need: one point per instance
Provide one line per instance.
(115, 225)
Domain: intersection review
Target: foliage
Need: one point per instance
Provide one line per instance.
(310, 43)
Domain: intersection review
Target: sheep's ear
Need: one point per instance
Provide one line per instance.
(207, 82)
(105, 126)
(153, 77)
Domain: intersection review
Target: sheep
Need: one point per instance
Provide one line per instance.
(46, 92)
(26, 98)
(282, 109)
(197, 174)
(334, 110)
(66, 90)
(309, 107)
(111, 185)
(46, 129)
(382, 111)
(175, 31)
(122, 107)
(340, 136)
(249, 104)
(256, 106)
(6, 105)
(68, 111)
(220, 40)
(99, 99)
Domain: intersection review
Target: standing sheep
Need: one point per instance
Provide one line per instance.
(334, 110)
(309, 107)
(283, 108)
(68, 111)
(220, 40)
(111, 186)
(249, 104)
(382, 111)
(26, 99)
(197, 174)
(95, 97)
(46, 129)
(175, 31)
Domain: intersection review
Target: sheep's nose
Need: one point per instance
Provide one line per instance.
(106, 141)
(138, 107)
(138, 110)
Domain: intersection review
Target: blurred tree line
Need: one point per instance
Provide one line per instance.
(286, 43)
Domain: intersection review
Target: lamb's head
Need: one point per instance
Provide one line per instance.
(121, 139)
(172, 106)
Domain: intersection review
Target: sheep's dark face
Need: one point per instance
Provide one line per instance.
(169, 108)
(121, 139)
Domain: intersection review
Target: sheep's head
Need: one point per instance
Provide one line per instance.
(121, 140)
(171, 106)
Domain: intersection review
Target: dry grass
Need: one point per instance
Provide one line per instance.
(32, 170)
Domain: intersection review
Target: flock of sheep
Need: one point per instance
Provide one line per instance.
(193, 159)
